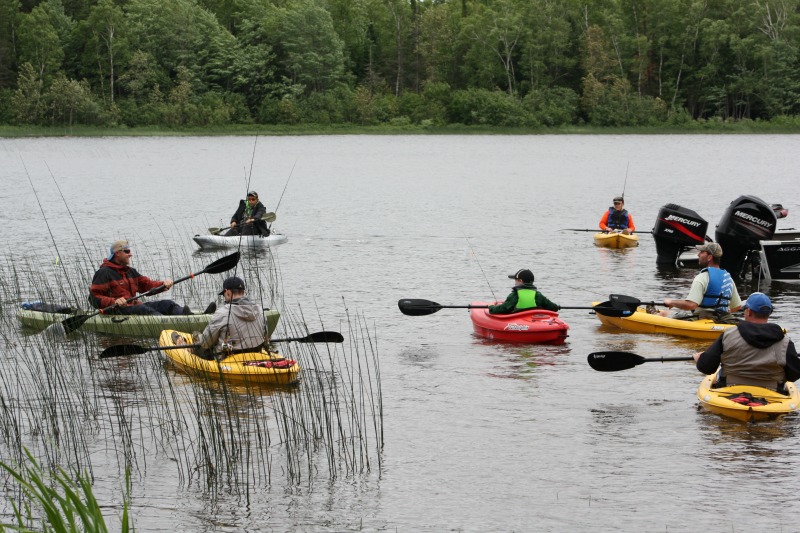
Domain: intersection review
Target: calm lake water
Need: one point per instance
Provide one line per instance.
(478, 436)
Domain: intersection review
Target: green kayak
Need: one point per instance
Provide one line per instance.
(130, 325)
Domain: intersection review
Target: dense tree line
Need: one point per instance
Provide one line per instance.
(495, 62)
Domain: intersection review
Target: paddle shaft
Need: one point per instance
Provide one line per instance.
(267, 217)
(419, 307)
(598, 230)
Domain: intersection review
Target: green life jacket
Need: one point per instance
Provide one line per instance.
(526, 299)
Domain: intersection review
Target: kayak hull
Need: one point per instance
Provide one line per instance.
(213, 242)
(643, 322)
(718, 401)
(615, 240)
(261, 367)
(130, 325)
(535, 326)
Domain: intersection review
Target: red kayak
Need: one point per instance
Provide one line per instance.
(538, 326)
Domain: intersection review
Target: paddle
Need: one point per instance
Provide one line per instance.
(614, 361)
(267, 217)
(598, 230)
(220, 265)
(416, 307)
(629, 302)
(135, 349)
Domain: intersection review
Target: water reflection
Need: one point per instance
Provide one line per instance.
(523, 361)
(754, 450)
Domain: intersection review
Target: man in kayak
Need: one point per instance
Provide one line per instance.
(617, 218)
(116, 281)
(523, 296)
(247, 220)
(755, 352)
(713, 293)
(238, 326)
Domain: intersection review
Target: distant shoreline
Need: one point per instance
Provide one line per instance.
(707, 127)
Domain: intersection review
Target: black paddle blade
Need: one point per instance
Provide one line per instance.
(415, 307)
(609, 309)
(222, 265)
(614, 361)
(323, 336)
(624, 302)
(74, 322)
(123, 349)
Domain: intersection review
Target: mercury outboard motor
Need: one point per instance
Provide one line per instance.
(747, 221)
(677, 229)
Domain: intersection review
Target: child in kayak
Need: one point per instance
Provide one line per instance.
(523, 296)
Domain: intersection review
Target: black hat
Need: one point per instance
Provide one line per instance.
(524, 275)
(232, 284)
(254, 194)
(618, 199)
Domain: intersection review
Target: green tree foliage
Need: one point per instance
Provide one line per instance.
(521, 63)
(39, 43)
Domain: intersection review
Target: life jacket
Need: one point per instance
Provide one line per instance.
(745, 364)
(526, 299)
(617, 219)
(719, 290)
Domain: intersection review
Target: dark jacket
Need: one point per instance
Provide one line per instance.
(113, 281)
(759, 340)
(258, 211)
(510, 304)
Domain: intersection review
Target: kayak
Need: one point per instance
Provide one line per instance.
(207, 242)
(129, 325)
(746, 403)
(538, 326)
(615, 240)
(643, 322)
(262, 367)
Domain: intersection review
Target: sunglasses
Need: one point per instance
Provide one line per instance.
(617, 203)
(126, 250)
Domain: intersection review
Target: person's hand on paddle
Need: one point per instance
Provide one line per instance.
(626, 231)
(119, 302)
(696, 356)
(233, 223)
(168, 283)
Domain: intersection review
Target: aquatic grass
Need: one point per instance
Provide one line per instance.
(57, 502)
(68, 407)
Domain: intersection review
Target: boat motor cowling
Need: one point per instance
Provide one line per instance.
(676, 229)
(747, 221)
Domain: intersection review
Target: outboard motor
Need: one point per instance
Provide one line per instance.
(677, 229)
(747, 221)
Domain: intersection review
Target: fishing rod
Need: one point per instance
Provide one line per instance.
(287, 184)
(85, 249)
(625, 184)
(479, 266)
(52, 237)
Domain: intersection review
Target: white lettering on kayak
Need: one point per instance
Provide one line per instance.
(516, 327)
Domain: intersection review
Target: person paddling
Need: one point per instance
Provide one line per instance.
(713, 293)
(524, 295)
(247, 220)
(755, 352)
(238, 326)
(116, 281)
(617, 218)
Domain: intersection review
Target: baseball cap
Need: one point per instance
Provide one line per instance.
(115, 247)
(254, 194)
(711, 248)
(618, 199)
(524, 275)
(759, 302)
(232, 284)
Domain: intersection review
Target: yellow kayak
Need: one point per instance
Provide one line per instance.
(262, 367)
(643, 322)
(745, 403)
(615, 240)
